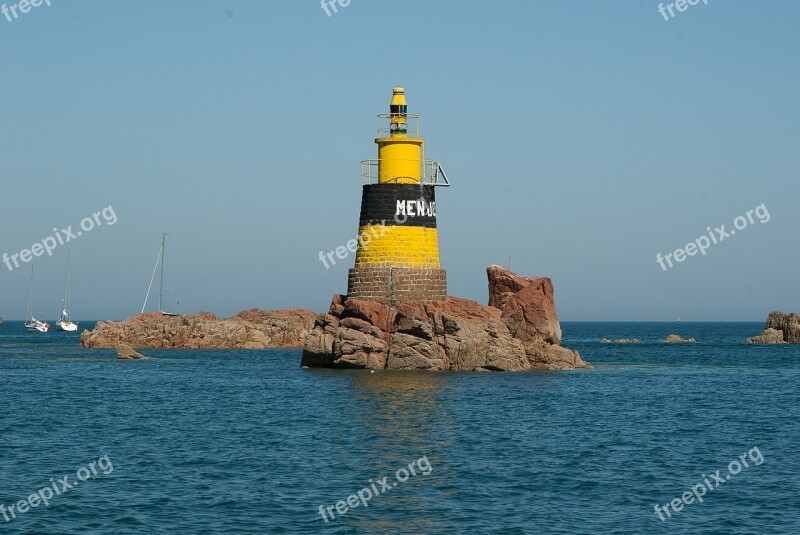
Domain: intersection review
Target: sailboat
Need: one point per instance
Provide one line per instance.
(31, 323)
(64, 322)
(160, 258)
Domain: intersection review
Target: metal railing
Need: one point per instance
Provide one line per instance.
(412, 125)
(431, 173)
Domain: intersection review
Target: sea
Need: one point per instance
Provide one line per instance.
(656, 438)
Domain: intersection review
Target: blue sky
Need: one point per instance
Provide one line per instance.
(581, 138)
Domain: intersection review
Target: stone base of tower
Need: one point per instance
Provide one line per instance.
(392, 285)
(519, 330)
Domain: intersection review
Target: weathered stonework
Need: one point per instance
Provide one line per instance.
(392, 285)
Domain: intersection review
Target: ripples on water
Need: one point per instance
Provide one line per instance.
(247, 442)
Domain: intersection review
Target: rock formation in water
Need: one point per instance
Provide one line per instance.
(250, 329)
(125, 352)
(519, 330)
(780, 329)
(678, 339)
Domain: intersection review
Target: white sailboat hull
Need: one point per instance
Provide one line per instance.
(36, 325)
(67, 326)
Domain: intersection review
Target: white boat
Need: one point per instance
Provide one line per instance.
(64, 322)
(36, 325)
(160, 257)
(31, 323)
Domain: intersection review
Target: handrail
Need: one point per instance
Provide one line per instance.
(412, 124)
(431, 172)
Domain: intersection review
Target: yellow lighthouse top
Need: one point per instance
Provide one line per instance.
(399, 156)
(401, 150)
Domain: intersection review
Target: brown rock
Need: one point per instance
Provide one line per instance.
(125, 352)
(677, 339)
(526, 303)
(409, 352)
(376, 314)
(318, 350)
(788, 323)
(358, 344)
(552, 357)
(781, 328)
(251, 329)
(769, 336)
(454, 334)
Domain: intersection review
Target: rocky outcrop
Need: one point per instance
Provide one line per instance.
(251, 329)
(516, 333)
(769, 336)
(677, 339)
(125, 352)
(780, 329)
(526, 304)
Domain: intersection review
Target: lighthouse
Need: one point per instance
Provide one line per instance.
(397, 259)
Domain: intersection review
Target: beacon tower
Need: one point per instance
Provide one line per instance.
(398, 248)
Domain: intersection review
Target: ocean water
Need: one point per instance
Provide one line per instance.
(248, 442)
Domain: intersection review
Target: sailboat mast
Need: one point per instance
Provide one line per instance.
(68, 291)
(30, 297)
(152, 278)
(65, 297)
(161, 284)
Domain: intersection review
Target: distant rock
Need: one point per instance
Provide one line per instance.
(251, 329)
(125, 352)
(519, 331)
(769, 336)
(605, 341)
(677, 339)
(780, 329)
(1, 320)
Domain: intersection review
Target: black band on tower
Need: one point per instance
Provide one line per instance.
(398, 204)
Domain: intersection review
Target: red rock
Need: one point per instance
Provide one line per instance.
(376, 314)
(250, 329)
(455, 334)
(526, 304)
